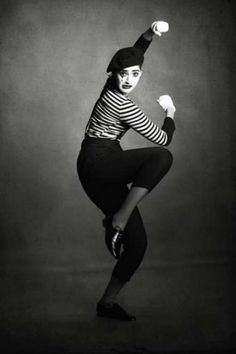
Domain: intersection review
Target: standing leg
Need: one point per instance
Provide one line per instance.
(135, 244)
(109, 198)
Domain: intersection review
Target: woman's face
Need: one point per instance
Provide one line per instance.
(127, 79)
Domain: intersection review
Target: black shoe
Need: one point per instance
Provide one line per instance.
(113, 237)
(116, 312)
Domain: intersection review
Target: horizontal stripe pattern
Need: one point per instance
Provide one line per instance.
(114, 114)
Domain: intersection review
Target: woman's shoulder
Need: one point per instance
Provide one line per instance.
(114, 95)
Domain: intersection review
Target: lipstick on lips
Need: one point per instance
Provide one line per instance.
(126, 86)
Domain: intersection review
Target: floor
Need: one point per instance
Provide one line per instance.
(178, 309)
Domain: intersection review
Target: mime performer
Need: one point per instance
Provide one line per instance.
(105, 169)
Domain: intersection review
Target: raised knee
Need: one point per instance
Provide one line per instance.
(168, 157)
(165, 158)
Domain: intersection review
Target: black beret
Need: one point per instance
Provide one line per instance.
(124, 58)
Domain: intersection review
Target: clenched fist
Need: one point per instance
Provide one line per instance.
(160, 27)
(166, 102)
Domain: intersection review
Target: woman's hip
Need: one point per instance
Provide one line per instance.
(95, 153)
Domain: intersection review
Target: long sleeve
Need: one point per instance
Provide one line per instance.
(134, 118)
(114, 114)
(169, 127)
(142, 43)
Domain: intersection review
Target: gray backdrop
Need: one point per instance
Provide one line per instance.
(54, 264)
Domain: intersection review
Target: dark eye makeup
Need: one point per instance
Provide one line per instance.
(134, 72)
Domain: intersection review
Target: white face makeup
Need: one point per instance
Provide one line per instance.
(127, 79)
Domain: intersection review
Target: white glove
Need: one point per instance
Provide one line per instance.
(165, 102)
(160, 27)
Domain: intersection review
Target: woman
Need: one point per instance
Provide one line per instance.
(105, 169)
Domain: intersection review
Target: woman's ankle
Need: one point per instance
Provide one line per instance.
(105, 303)
(119, 222)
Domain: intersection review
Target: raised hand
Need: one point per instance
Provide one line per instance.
(159, 27)
(166, 102)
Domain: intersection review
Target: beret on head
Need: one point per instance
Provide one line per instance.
(124, 58)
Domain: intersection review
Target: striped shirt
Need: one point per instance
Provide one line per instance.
(114, 114)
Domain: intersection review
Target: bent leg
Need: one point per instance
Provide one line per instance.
(135, 195)
(150, 173)
(107, 189)
(153, 169)
(143, 167)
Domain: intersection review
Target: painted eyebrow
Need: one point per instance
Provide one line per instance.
(133, 71)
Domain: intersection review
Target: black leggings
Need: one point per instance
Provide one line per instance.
(105, 170)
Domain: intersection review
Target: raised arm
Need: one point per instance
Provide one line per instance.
(156, 28)
(144, 40)
(164, 135)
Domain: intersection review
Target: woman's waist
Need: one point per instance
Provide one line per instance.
(95, 150)
(100, 142)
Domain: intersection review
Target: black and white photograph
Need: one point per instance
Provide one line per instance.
(117, 177)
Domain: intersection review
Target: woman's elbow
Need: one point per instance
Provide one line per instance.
(167, 142)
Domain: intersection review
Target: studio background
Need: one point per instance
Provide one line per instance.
(54, 263)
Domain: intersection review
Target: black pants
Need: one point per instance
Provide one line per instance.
(105, 170)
